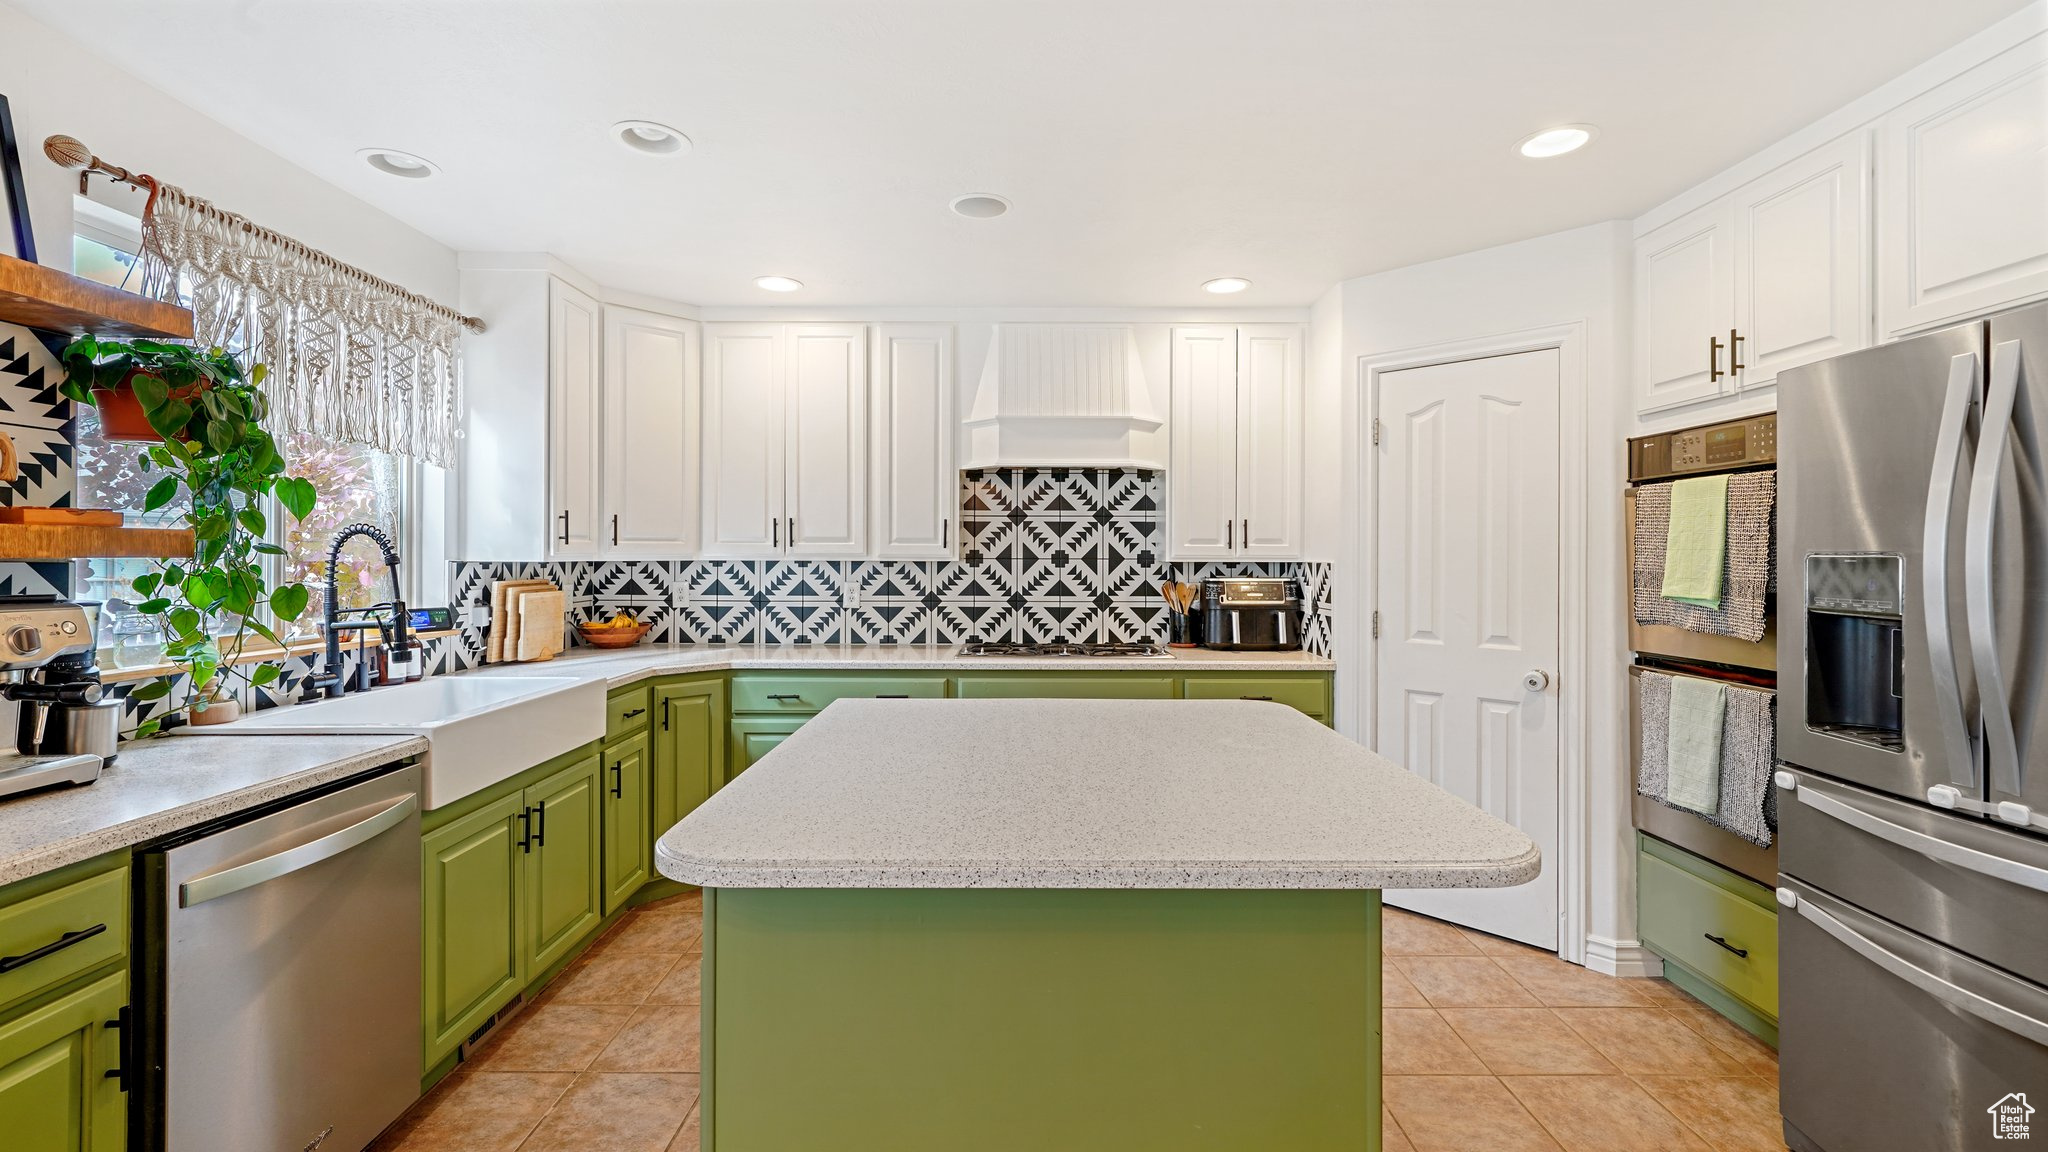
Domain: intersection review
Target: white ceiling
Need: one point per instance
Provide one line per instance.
(1148, 145)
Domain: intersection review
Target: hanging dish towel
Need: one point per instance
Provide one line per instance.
(1752, 562)
(1696, 547)
(1748, 755)
(1694, 743)
(1653, 736)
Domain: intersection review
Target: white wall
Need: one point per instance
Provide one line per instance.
(1576, 277)
(56, 85)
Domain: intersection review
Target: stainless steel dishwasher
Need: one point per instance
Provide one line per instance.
(288, 980)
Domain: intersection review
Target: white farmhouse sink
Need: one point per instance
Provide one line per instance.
(479, 729)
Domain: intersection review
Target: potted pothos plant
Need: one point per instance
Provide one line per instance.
(209, 443)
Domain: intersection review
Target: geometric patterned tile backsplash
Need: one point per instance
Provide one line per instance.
(1070, 554)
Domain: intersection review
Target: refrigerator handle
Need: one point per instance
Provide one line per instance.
(2001, 748)
(1818, 797)
(1964, 381)
(1988, 1010)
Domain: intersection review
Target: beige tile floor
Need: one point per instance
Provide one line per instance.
(1489, 1047)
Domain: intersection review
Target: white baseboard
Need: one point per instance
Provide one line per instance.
(1621, 957)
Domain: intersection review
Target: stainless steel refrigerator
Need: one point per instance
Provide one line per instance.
(1913, 735)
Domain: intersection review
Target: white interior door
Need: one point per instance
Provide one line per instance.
(1467, 558)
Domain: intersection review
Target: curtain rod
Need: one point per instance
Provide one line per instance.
(69, 152)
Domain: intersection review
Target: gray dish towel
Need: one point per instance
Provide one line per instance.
(1751, 566)
(1749, 747)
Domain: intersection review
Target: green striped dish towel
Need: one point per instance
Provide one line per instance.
(1696, 546)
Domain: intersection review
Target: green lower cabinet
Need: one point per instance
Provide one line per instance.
(1066, 686)
(512, 882)
(1309, 694)
(56, 1094)
(754, 737)
(472, 943)
(1716, 931)
(628, 855)
(688, 756)
(564, 880)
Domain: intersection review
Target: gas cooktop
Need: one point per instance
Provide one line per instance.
(1123, 651)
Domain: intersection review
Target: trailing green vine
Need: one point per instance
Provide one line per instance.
(216, 453)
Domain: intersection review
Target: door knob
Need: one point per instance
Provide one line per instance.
(1536, 680)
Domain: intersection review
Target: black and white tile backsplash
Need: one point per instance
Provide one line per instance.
(1048, 554)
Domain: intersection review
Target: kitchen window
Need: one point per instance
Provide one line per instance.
(357, 484)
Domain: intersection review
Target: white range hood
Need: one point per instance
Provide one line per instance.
(1072, 395)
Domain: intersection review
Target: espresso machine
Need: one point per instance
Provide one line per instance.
(51, 696)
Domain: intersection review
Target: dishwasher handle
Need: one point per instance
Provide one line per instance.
(229, 881)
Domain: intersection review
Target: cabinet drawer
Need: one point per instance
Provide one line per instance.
(1677, 912)
(1067, 687)
(68, 931)
(1310, 696)
(806, 694)
(626, 711)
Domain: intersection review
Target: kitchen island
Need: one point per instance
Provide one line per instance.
(1029, 924)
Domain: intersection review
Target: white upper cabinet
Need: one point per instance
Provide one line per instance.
(1802, 263)
(1269, 399)
(1234, 485)
(743, 440)
(575, 446)
(826, 454)
(1685, 307)
(916, 491)
(1963, 194)
(651, 407)
(1770, 276)
(785, 440)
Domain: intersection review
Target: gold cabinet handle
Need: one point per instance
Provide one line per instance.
(1734, 352)
(1714, 372)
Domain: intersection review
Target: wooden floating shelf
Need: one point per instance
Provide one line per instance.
(71, 541)
(44, 298)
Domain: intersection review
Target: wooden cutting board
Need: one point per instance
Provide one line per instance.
(542, 614)
(503, 638)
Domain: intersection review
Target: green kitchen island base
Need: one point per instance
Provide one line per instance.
(1023, 1020)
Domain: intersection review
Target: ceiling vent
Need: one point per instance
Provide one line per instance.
(1070, 395)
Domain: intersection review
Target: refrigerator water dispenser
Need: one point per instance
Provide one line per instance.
(1855, 649)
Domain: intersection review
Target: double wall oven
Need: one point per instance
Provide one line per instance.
(1912, 792)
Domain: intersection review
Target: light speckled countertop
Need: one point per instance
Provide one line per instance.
(646, 661)
(162, 786)
(1085, 794)
(157, 787)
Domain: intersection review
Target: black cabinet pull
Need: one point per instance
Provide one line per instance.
(1742, 952)
(784, 696)
(1246, 534)
(540, 825)
(10, 963)
(892, 695)
(1714, 359)
(526, 830)
(618, 779)
(120, 1074)
(664, 713)
(1265, 698)
(945, 533)
(565, 525)
(629, 713)
(775, 532)
(1229, 540)
(615, 529)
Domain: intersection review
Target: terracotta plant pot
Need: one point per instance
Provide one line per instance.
(217, 712)
(121, 415)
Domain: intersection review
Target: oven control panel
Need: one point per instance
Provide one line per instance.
(1707, 448)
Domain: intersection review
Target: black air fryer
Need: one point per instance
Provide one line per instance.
(1251, 614)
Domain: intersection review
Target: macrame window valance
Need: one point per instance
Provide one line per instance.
(353, 359)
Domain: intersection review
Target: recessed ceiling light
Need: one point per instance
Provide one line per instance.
(777, 283)
(651, 138)
(980, 205)
(392, 162)
(1226, 285)
(1556, 141)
